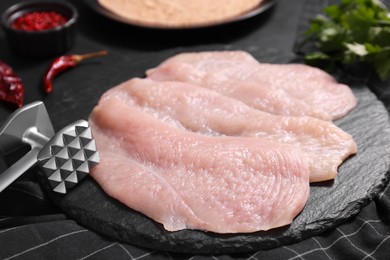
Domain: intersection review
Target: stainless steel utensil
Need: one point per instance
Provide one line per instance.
(65, 157)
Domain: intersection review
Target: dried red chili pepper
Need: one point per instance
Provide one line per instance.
(11, 86)
(63, 63)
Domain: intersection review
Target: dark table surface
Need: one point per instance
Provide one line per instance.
(31, 227)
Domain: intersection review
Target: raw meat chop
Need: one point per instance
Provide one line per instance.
(205, 111)
(282, 89)
(187, 180)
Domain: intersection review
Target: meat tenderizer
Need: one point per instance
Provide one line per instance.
(65, 157)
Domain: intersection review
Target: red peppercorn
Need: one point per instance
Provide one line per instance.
(39, 21)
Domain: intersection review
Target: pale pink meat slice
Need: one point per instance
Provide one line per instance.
(205, 111)
(283, 89)
(187, 180)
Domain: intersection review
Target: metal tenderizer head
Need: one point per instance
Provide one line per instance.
(68, 156)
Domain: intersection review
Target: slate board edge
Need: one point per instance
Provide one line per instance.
(113, 229)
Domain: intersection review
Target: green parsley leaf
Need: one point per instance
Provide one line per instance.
(351, 32)
(321, 60)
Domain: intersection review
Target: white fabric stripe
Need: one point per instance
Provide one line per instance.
(324, 250)
(99, 250)
(369, 220)
(346, 237)
(370, 255)
(127, 251)
(144, 255)
(297, 255)
(8, 229)
(334, 242)
(46, 243)
(383, 192)
(253, 256)
(374, 221)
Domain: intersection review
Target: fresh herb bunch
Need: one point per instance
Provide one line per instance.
(355, 31)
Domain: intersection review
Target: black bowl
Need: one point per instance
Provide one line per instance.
(44, 43)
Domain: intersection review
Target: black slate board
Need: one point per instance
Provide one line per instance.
(360, 178)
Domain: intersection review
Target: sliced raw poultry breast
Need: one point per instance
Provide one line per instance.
(205, 111)
(186, 180)
(282, 89)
